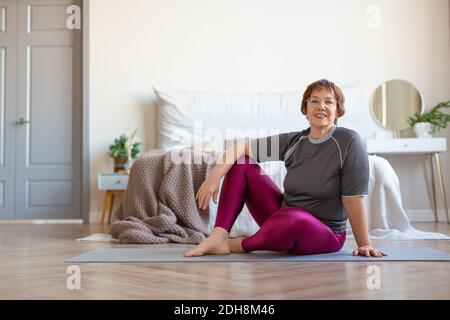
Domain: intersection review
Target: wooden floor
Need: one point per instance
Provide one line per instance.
(32, 267)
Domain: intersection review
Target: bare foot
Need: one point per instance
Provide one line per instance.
(216, 243)
(236, 245)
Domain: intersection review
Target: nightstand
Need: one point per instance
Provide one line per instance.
(114, 184)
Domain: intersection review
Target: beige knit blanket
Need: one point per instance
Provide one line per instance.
(159, 205)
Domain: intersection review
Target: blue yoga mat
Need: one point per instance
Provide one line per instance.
(159, 255)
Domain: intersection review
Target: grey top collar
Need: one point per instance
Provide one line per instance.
(323, 139)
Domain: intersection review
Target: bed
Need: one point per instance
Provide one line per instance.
(210, 118)
(190, 119)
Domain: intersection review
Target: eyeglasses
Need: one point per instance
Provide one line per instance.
(316, 102)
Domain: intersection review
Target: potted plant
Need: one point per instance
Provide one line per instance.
(430, 122)
(124, 150)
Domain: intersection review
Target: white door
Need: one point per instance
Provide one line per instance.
(45, 117)
(8, 46)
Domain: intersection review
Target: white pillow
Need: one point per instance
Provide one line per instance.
(189, 117)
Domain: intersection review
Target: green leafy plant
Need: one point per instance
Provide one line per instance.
(436, 117)
(124, 146)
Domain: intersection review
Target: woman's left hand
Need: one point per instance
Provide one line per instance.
(368, 251)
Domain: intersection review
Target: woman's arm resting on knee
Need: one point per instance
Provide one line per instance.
(210, 187)
(357, 216)
(226, 160)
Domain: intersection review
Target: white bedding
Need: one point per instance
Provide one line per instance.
(385, 214)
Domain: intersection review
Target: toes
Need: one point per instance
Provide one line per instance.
(193, 253)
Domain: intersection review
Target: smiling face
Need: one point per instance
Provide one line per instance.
(321, 108)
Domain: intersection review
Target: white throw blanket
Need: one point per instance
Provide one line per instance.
(385, 214)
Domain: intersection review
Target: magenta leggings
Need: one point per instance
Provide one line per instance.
(289, 229)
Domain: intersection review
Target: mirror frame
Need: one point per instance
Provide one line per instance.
(372, 114)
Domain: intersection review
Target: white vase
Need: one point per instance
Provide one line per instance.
(423, 129)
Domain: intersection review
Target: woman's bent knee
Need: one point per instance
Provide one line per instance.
(243, 164)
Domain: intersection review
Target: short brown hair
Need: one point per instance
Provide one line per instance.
(325, 84)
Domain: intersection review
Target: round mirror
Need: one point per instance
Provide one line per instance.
(393, 102)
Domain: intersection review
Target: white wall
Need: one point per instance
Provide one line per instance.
(247, 45)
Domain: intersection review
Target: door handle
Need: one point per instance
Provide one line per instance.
(22, 121)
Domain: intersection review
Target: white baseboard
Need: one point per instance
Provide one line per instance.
(426, 215)
(93, 215)
(43, 221)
